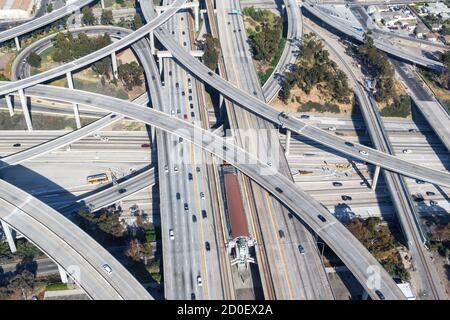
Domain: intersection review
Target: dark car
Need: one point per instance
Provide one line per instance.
(345, 198)
(349, 144)
(186, 206)
(194, 218)
(301, 249)
(304, 116)
(192, 106)
(210, 73)
(145, 145)
(16, 145)
(380, 294)
(419, 181)
(170, 73)
(183, 93)
(418, 197)
(197, 169)
(337, 184)
(207, 246)
(322, 218)
(279, 190)
(190, 176)
(204, 214)
(123, 190)
(281, 233)
(180, 139)
(192, 296)
(290, 216)
(430, 193)
(184, 43)
(178, 195)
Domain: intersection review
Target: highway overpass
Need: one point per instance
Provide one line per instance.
(340, 240)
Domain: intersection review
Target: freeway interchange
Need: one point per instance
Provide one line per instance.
(21, 211)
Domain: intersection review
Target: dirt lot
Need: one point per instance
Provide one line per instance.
(298, 97)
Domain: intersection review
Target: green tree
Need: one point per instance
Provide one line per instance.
(130, 74)
(49, 7)
(211, 52)
(106, 17)
(88, 16)
(26, 250)
(137, 21)
(34, 59)
(3, 77)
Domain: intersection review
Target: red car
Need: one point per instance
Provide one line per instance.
(185, 116)
(145, 145)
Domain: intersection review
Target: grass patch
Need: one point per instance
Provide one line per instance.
(56, 287)
(327, 107)
(96, 87)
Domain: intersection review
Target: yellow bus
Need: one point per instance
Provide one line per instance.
(102, 177)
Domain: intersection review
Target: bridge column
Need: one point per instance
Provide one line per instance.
(196, 9)
(287, 143)
(152, 42)
(16, 40)
(9, 104)
(375, 178)
(103, 4)
(160, 64)
(76, 112)
(114, 64)
(26, 112)
(9, 236)
(152, 135)
(62, 272)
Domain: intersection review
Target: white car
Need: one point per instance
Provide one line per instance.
(406, 151)
(107, 268)
(363, 152)
(105, 139)
(171, 236)
(202, 195)
(175, 169)
(269, 164)
(166, 168)
(172, 112)
(199, 281)
(331, 128)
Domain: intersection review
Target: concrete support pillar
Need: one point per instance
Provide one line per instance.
(114, 64)
(152, 42)
(221, 100)
(197, 22)
(103, 4)
(364, 295)
(76, 112)
(9, 236)
(160, 64)
(375, 178)
(10, 105)
(288, 142)
(63, 275)
(26, 112)
(16, 40)
(152, 135)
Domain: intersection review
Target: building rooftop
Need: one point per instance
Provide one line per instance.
(15, 4)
